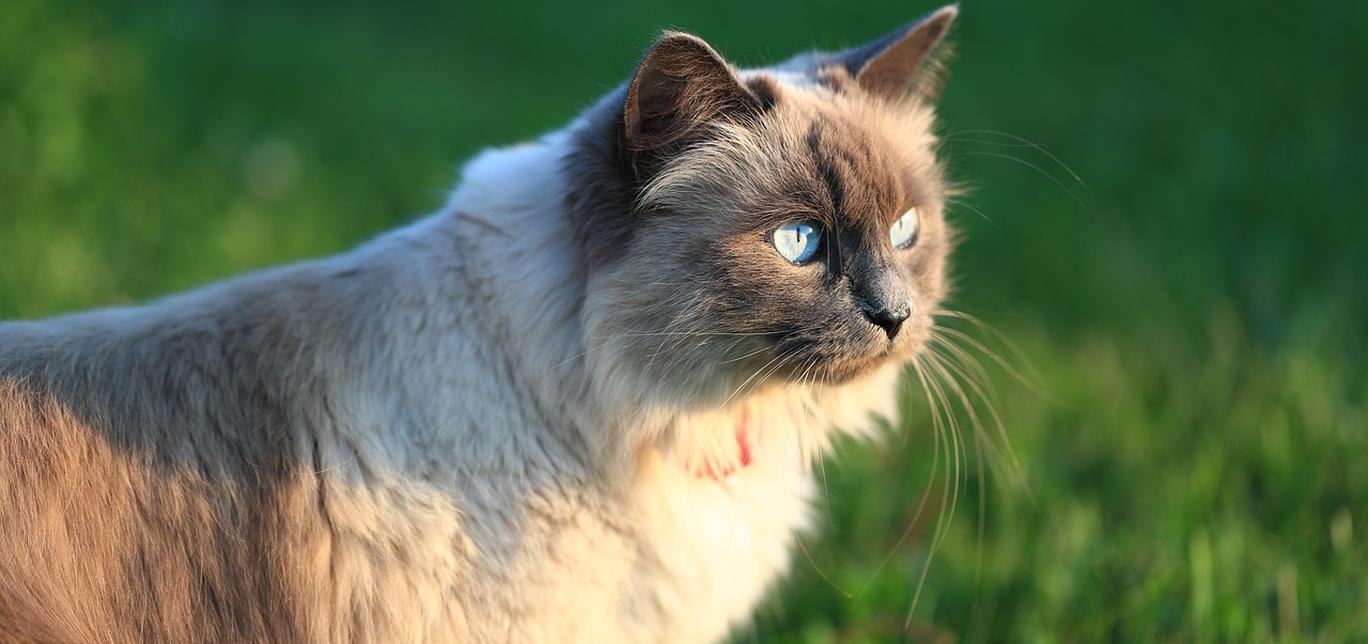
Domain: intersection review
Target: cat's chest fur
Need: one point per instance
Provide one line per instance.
(672, 553)
(721, 540)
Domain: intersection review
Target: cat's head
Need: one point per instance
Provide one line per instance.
(782, 223)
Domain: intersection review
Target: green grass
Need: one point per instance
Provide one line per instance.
(1196, 313)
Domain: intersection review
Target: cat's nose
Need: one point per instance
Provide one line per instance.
(888, 318)
(881, 295)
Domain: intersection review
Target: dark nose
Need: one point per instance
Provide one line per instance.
(880, 293)
(890, 319)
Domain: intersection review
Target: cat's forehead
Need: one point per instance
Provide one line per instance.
(830, 97)
(821, 148)
(873, 159)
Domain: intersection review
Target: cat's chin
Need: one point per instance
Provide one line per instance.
(841, 371)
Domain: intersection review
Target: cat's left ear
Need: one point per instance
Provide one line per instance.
(679, 85)
(899, 62)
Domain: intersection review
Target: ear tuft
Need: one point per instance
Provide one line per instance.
(898, 62)
(679, 85)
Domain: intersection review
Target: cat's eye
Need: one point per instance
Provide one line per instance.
(904, 231)
(797, 241)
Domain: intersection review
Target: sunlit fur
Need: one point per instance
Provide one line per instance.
(476, 428)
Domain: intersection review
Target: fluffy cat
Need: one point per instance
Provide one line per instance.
(579, 403)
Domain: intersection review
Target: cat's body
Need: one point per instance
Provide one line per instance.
(442, 435)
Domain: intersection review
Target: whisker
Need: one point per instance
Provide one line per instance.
(1032, 166)
(982, 507)
(926, 493)
(679, 319)
(964, 358)
(955, 138)
(958, 437)
(1022, 142)
(941, 526)
(846, 593)
(960, 203)
(650, 334)
(743, 357)
(946, 369)
(1032, 382)
(988, 402)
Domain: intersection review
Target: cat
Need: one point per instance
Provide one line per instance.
(579, 403)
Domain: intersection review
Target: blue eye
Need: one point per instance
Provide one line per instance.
(797, 241)
(904, 231)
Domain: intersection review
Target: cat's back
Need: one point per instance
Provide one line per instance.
(149, 465)
(150, 377)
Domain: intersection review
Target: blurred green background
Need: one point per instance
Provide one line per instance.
(1197, 469)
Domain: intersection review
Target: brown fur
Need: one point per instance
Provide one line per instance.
(159, 500)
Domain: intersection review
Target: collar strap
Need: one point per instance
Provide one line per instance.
(743, 446)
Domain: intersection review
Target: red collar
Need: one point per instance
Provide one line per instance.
(743, 445)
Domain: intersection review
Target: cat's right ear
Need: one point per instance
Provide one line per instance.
(679, 85)
(898, 63)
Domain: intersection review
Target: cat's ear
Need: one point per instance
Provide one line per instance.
(903, 60)
(680, 84)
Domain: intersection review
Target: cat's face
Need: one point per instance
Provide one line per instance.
(785, 223)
